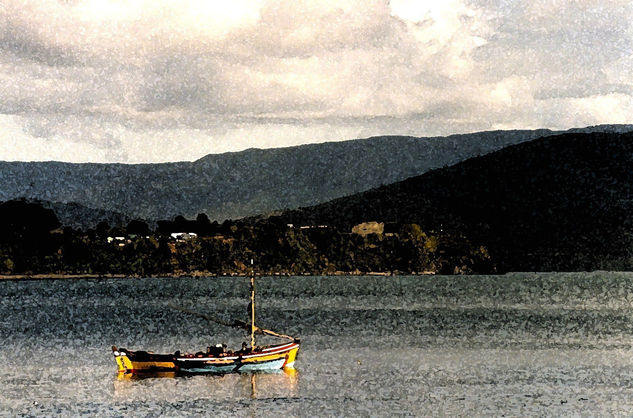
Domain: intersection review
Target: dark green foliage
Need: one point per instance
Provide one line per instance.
(138, 227)
(21, 218)
(102, 229)
(275, 247)
(23, 222)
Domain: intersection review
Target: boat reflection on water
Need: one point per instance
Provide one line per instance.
(146, 375)
(171, 385)
(263, 385)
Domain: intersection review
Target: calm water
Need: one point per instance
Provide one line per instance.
(521, 344)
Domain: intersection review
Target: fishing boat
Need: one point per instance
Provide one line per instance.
(215, 359)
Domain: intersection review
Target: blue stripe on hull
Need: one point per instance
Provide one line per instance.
(244, 367)
(269, 365)
(211, 369)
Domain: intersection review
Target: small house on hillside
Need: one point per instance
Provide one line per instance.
(120, 241)
(183, 236)
(367, 228)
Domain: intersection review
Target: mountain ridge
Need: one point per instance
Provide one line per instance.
(250, 182)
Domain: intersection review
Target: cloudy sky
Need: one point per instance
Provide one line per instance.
(158, 80)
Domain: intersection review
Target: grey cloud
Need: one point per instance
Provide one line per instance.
(581, 88)
(328, 65)
(92, 130)
(576, 37)
(31, 86)
(434, 79)
(180, 80)
(201, 78)
(329, 30)
(542, 52)
(20, 41)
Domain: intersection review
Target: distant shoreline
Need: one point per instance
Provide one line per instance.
(58, 276)
(61, 276)
(25, 277)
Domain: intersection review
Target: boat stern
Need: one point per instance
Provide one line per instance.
(140, 361)
(291, 357)
(124, 364)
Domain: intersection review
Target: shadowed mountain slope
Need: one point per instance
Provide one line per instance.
(557, 203)
(250, 182)
(244, 183)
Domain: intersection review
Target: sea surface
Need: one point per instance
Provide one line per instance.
(555, 344)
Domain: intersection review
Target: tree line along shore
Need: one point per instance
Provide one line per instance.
(34, 244)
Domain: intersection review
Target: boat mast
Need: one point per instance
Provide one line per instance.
(252, 306)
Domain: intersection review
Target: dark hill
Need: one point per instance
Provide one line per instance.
(73, 214)
(245, 183)
(78, 216)
(557, 203)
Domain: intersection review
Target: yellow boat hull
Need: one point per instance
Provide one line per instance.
(126, 365)
(275, 357)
